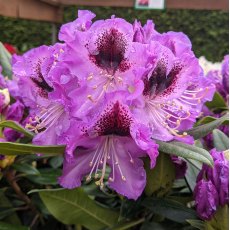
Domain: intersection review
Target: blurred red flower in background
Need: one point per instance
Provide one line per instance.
(12, 49)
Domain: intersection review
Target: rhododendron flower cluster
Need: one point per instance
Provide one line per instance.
(107, 92)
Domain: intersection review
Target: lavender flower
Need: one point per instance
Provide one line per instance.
(14, 112)
(216, 181)
(221, 78)
(106, 93)
(112, 139)
(225, 74)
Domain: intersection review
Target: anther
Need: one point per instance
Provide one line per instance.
(123, 178)
(90, 98)
(88, 178)
(90, 77)
(101, 185)
(96, 176)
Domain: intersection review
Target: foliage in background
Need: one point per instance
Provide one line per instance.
(208, 30)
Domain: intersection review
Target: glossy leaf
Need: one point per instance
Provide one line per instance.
(56, 161)
(217, 102)
(75, 207)
(169, 209)
(26, 168)
(205, 120)
(185, 151)
(11, 216)
(10, 148)
(47, 176)
(202, 130)
(220, 140)
(160, 178)
(126, 224)
(5, 61)
(198, 224)
(192, 172)
(17, 127)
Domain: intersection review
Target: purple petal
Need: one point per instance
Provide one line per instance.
(206, 199)
(129, 176)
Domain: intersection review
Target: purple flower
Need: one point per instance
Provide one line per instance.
(218, 178)
(173, 95)
(39, 92)
(14, 112)
(221, 78)
(206, 199)
(82, 23)
(107, 60)
(106, 93)
(144, 34)
(180, 166)
(31, 76)
(225, 74)
(112, 139)
(4, 99)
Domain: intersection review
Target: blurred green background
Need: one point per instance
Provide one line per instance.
(208, 30)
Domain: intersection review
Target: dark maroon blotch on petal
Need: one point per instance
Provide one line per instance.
(115, 120)
(159, 81)
(111, 46)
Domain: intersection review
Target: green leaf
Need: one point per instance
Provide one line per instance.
(6, 226)
(26, 168)
(17, 127)
(186, 151)
(220, 221)
(10, 148)
(6, 211)
(199, 224)
(202, 130)
(159, 179)
(11, 216)
(192, 172)
(220, 140)
(75, 207)
(169, 209)
(47, 176)
(5, 61)
(126, 224)
(155, 226)
(205, 120)
(56, 162)
(217, 102)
